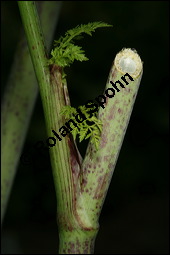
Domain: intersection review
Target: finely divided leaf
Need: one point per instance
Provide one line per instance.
(65, 51)
(84, 130)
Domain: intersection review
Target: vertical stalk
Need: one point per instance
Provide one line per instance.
(19, 100)
(64, 157)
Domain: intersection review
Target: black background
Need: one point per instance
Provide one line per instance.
(134, 218)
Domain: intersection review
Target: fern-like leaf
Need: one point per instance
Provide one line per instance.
(65, 51)
(84, 130)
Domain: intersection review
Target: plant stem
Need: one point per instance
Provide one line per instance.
(77, 241)
(98, 166)
(52, 95)
(65, 158)
(80, 187)
(19, 100)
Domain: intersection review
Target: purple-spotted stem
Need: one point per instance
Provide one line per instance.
(91, 178)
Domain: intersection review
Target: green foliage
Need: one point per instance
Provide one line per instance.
(90, 127)
(65, 51)
(64, 54)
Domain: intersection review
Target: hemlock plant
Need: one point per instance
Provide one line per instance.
(81, 184)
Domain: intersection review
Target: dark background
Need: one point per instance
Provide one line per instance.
(134, 218)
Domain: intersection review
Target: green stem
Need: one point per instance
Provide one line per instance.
(65, 159)
(35, 41)
(77, 241)
(63, 156)
(19, 100)
(98, 166)
(52, 95)
(80, 188)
